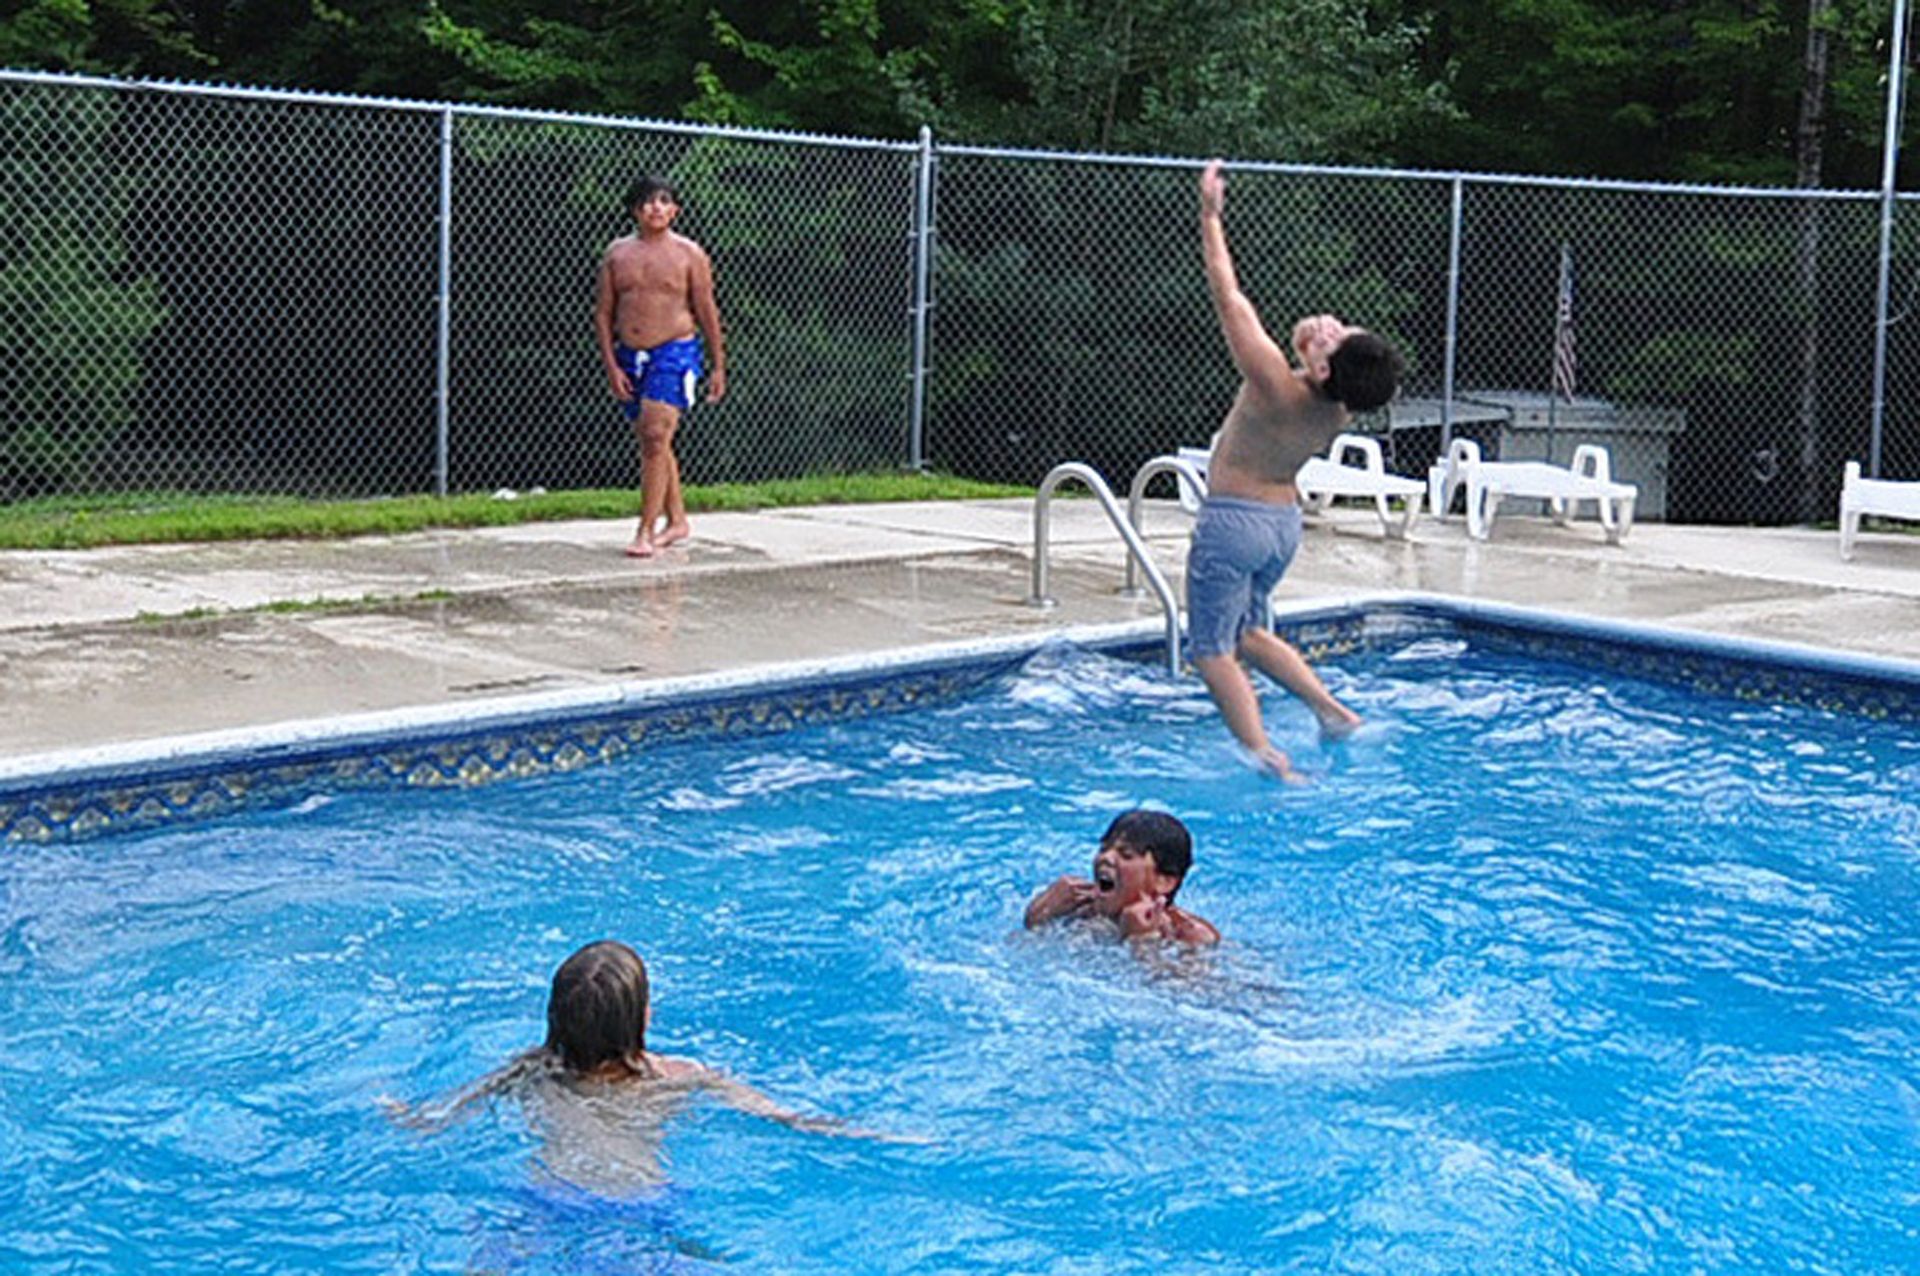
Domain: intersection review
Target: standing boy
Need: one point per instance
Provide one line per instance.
(655, 287)
(1249, 526)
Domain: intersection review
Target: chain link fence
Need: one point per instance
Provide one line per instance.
(1072, 319)
(214, 294)
(226, 292)
(1724, 344)
(242, 293)
(813, 264)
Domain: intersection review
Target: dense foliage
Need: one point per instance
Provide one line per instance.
(1052, 340)
(1707, 90)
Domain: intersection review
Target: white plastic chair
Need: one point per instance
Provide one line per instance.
(1322, 480)
(1198, 457)
(1486, 483)
(1883, 498)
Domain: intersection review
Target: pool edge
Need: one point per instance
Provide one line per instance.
(76, 794)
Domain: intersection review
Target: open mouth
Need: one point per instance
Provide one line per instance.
(1105, 880)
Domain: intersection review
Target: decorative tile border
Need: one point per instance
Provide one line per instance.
(142, 786)
(227, 783)
(1749, 670)
(1323, 636)
(1713, 675)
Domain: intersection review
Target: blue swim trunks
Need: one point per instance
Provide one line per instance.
(666, 374)
(550, 1227)
(1240, 551)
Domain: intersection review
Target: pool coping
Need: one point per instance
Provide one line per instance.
(73, 794)
(277, 741)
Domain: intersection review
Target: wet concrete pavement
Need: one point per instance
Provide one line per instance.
(137, 642)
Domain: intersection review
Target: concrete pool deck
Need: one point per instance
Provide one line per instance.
(137, 642)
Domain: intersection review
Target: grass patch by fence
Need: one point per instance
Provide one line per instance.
(150, 518)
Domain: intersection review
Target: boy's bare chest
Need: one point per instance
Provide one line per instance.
(662, 270)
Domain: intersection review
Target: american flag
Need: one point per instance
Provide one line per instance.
(1566, 365)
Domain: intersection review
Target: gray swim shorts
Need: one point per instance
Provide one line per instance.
(1240, 551)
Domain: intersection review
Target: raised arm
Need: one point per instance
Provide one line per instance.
(1257, 355)
(706, 312)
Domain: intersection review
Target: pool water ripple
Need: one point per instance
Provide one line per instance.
(1549, 972)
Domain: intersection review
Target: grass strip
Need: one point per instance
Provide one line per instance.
(161, 517)
(298, 606)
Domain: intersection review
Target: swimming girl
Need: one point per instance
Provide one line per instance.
(599, 1096)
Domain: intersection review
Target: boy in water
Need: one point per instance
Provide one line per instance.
(655, 287)
(1249, 526)
(1137, 871)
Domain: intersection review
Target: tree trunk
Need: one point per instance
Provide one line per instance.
(1122, 50)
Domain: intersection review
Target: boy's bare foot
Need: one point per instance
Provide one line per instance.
(641, 548)
(1341, 725)
(674, 533)
(1276, 764)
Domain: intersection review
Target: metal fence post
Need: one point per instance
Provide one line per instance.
(445, 303)
(1451, 346)
(922, 275)
(1890, 158)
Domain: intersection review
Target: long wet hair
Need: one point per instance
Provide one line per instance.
(596, 1015)
(597, 1011)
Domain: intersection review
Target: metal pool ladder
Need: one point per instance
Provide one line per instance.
(1128, 525)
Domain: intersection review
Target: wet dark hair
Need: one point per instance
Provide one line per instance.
(596, 1014)
(597, 1011)
(1363, 372)
(645, 187)
(1159, 835)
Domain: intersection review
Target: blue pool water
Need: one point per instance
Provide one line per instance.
(1553, 973)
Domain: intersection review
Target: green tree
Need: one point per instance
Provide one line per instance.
(115, 37)
(632, 57)
(1712, 90)
(78, 316)
(1281, 80)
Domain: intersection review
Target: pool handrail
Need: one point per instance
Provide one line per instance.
(1191, 479)
(1136, 547)
(1189, 465)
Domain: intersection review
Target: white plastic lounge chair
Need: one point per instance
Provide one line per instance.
(1883, 498)
(1589, 478)
(1197, 457)
(1323, 479)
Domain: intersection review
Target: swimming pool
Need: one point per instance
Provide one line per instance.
(1570, 967)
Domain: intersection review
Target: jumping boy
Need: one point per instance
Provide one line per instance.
(1142, 860)
(1249, 526)
(655, 287)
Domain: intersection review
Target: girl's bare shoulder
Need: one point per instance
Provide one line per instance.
(674, 1068)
